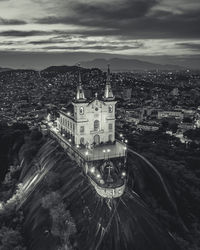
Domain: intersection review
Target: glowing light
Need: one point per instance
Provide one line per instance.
(70, 140)
(104, 151)
(126, 141)
(68, 113)
(108, 150)
(86, 153)
(123, 173)
(77, 146)
(121, 135)
(92, 170)
(98, 176)
(125, 148)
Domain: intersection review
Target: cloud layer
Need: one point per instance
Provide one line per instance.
(126, 27)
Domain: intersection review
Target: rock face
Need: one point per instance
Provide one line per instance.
(121, 223)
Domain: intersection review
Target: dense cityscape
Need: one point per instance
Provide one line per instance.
(146, 100)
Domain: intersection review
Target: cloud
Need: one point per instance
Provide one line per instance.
(125, 26)
(11, 21)
(97, 47)
(19, 33)
(193, 46)
(133, 19)
(128, 9)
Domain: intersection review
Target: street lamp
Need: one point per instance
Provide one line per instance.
(98, 176)
(125, 154)
(104, 151)
(92, 170)
(86, 153)
(123, 174)
(108, 151)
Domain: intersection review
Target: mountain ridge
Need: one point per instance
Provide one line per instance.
(5, 69)
(119, 64)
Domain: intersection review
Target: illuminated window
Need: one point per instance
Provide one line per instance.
(96, 125)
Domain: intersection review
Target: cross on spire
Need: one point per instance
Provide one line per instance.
(79, 75)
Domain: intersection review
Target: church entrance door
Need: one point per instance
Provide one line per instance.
(96, 139)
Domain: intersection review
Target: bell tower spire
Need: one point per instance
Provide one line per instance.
(80, 96)
(108, 94)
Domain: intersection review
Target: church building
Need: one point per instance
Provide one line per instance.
(89, 122)
(86, 131)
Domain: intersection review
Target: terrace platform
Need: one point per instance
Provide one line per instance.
(103, 164)
(103, 152)
(99, 152)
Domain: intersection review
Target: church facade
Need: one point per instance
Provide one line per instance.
(91, 122)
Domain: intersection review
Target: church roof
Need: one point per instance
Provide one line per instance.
(69, 109)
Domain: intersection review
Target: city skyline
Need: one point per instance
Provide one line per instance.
(154, 30)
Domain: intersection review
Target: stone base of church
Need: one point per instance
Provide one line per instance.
(109, 193)
(105, 186)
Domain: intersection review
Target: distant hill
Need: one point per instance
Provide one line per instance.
(60, 69)
(120, 64)
(53, 70)
(4, 69)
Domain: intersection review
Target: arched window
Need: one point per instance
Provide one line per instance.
(97, 139)
(82, 140)
(96, 125)
(110, 138)
(110, 108)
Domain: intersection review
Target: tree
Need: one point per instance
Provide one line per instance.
(193, 134)
(63, 225)
(10, 239)
(35, 135)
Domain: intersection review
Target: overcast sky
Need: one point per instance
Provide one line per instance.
(153, 28)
